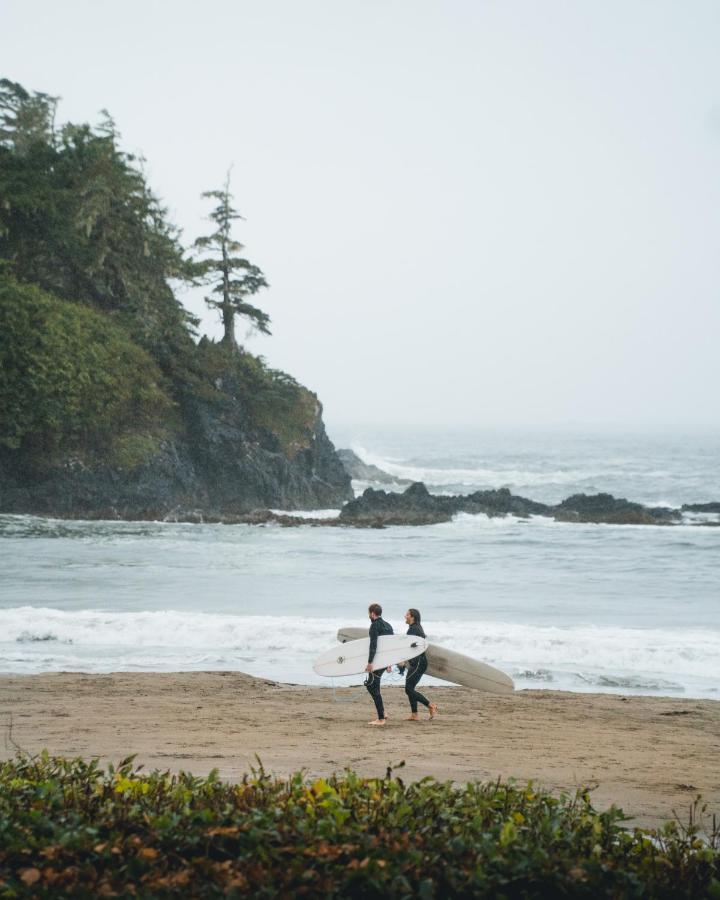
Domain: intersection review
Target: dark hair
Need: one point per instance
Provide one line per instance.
(415, 613)
(375, 608)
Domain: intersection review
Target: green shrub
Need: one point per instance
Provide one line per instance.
(70, 377)
(272, 399)
(129, 451)
(69, 828)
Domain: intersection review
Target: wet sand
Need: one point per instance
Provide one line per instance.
(649, 755)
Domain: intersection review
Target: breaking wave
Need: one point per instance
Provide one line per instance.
(578, 657)
(488, 477)
(544, 480)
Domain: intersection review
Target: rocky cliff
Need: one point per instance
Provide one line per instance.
(221, 463)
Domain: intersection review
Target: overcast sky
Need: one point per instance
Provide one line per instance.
(469, 212)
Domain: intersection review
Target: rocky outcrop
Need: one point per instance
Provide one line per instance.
(220, 463)
(362, 471)
(416, 506)
(611, 510)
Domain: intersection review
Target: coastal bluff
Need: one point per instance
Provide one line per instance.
(220, 462)
(93, 425)
(113, 405)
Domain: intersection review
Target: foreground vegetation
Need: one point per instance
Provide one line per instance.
(68, 827)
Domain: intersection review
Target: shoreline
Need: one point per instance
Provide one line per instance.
(649, 755)
(291, 519)
(327, 687)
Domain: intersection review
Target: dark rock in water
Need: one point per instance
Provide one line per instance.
(362, 471)
(713, 507)
(604, 508)
(218, 464)
(417, 506)
(501, 503)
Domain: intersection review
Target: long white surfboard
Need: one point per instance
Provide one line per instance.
(452, 666)
(351, 657)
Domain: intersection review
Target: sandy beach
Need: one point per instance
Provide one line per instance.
(651, 756)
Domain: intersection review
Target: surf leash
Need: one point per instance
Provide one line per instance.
(390, 678)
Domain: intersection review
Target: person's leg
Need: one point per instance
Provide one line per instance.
(411, 681)
(373, 686)
(432, 707)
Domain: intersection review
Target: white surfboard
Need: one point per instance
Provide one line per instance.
(452, 666)
(351, 658)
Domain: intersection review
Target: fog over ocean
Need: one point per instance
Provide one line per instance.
(627, 609)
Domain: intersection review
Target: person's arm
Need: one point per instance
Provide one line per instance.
(373, 641)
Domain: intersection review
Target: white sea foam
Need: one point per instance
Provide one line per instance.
(700, 518)
(308, 513)
(479, 521)
(490, 477)
(577, 657)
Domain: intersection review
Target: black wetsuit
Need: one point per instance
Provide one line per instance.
(415, 670)
(379, 626)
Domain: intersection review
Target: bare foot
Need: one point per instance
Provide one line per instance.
(377, 722)
(432, 709)
(413, 717)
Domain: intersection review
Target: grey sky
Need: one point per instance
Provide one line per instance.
(469, 212)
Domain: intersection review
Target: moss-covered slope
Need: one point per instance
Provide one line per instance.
(90, 426)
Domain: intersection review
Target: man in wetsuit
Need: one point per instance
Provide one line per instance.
(378, 626)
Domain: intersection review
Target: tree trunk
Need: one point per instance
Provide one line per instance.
(228, 317)
(228, 313)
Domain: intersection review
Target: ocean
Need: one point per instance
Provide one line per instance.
(603, 608)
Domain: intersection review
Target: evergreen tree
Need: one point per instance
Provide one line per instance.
(25, 119)
(234, 277)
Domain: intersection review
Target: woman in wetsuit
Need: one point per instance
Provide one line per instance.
(416, 669)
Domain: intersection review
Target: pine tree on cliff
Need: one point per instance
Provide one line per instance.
(234, 277)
